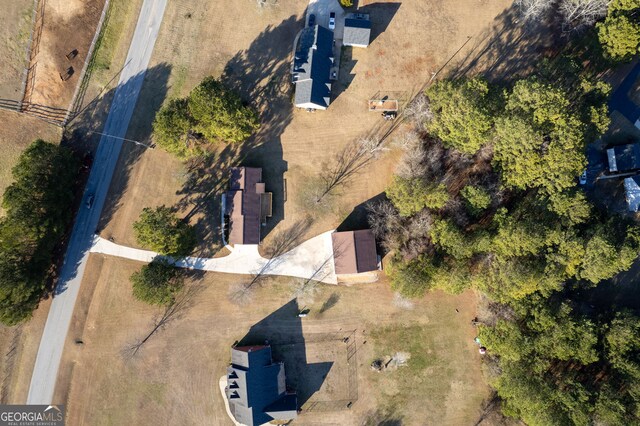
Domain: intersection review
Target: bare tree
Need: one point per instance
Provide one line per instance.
(347, 163)
(181, 304)
(533, 10)
(419, 111)
(578, 13)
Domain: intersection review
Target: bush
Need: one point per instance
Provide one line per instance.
(157, 283)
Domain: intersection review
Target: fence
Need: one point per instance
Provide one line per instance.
(85, 74)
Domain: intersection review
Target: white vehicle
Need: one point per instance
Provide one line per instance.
(583, 178)
(332, 21)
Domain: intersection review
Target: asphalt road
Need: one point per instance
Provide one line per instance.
(45, 371)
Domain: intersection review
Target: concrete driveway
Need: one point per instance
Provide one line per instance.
(322, 9)
(313, 259)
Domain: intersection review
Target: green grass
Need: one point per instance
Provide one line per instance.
(179, 75)
(119, 14)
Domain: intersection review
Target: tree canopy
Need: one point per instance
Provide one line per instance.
(162, 231)
(157, 283)
(463, 113)
(619, 33)
(414, 194)
(211, 113)
(37, 216)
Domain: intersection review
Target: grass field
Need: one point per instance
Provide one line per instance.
(173, 379)
(15, 27)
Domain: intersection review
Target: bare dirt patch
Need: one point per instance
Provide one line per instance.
(174, 377)
(68, 25)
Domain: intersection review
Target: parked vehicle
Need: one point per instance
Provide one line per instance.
(583, 178)
(332, 21)
(312, 20)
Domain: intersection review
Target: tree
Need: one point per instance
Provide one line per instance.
(570, 205)
(539, 142)
(462, 113)
(172, 129)
(477, 198)
(603, 260)
(533, 10)
(219, 113)
(37, 216)
(579, 13)
(411, 279)
(410, 196)
(157, 283)
(160, 230)
(346, 3)
(619, 36)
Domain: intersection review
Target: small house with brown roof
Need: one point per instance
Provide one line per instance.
(354, 252)
(245, 206)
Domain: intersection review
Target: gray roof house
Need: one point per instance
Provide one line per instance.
(632, 192)
(312, 68)
(256, 388)
(246, 206)
(624, 158)
(357, 30)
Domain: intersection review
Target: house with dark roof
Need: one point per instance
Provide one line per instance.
(245, 206)
(256, 389)
(624, 158)
(311, 70)
(357, 30)
(354, 252)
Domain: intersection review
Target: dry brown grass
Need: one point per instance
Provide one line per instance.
(174, 378)
(15, 26)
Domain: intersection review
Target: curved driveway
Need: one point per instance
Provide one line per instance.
(45, 371)
(313, 259)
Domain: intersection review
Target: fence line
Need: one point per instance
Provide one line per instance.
(28, 52)
(84, 77)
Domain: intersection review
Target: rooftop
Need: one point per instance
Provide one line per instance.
(354, 252)
(357, 30)
(312, 67)
(624, 158)
(256, 388)
(247, 205)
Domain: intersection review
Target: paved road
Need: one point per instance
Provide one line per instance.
(45, 372)
(311, 259)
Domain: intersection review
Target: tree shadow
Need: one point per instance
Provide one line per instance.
(101, 115)
(511, 48)
(282, 329)
(358, 218)
(381, 15)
